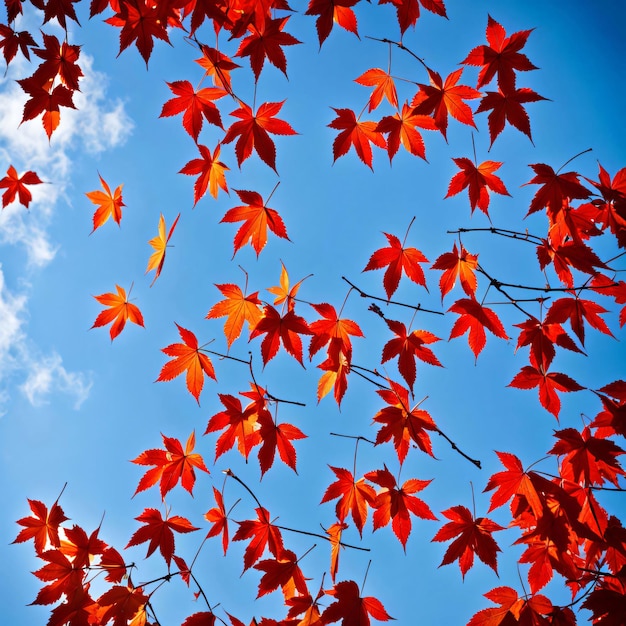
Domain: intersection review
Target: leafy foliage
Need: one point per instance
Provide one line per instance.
(564, 532)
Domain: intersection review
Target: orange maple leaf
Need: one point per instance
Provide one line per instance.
(257, 217)
(354, 496)
(109, 204)
(334, 532)
(284, 292)
(384, 85)
(16, 186)
(210, 170)
(119, 311)
(171, 465)
(333, 331)
(187, 357)
(239, 308)
(159, 243)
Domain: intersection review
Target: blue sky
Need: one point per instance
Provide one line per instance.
(76, 407)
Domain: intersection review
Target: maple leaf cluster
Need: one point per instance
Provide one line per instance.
(562, 528)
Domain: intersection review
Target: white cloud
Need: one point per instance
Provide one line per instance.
(11, 334)
(48, 374)
(98, 124)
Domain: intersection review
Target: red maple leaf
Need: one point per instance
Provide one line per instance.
(443, 97)
(351, 608)
(42, 526)
(140, 21)
(119, 311)
(187, 357)
(286, 329)
(262, 533)
(256, 218)
(332, 12)
(202, 618)
(542, 337)
(171, 465)
(556, 190)
(587, 457)
(218, 517)
(394, 503)
(59, 59)
(455, 264)
(502, 56)
(64, 577)
(16, 186)
(408, 11)
(211, 172)
(282, 571)
(548, 383)
(266, 41)
(45, 100)
(354, 496)
(577, 310)
(355, 133)
(478, 180)
(403, 423)
(512, 609)
(398, 259)
(402, 129)
(253, 131)
(384, 85)
(238, 308)
(407, 347)
(196, 105)
(12, 40)
(475, 318)
(508, 108)
(159, 532)
(515, 481)
(473, 536)
(277, 437)
(123, 604)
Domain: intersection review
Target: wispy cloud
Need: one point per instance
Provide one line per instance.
(98, 124)
(49, 375)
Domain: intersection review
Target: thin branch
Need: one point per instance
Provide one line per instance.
(416, 307)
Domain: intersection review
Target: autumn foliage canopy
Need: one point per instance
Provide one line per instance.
(562, 532)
